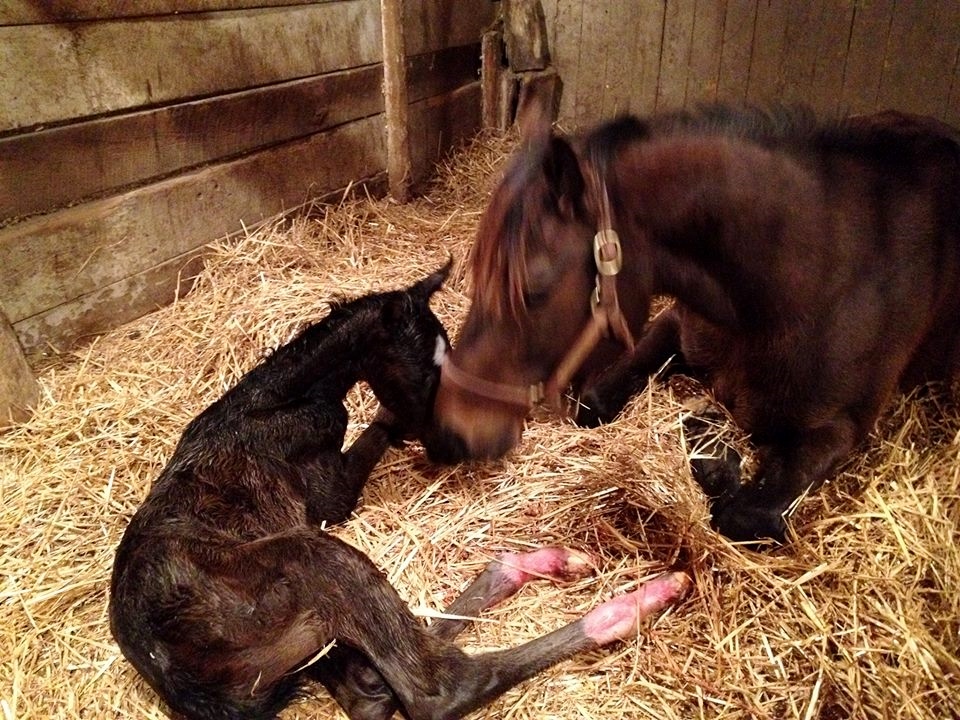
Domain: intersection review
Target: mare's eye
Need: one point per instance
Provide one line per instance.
(532, 299)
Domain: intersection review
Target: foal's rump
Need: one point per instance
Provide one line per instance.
(232, 624)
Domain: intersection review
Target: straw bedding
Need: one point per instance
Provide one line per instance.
(859, 617)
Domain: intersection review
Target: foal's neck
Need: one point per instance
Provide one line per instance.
(328, 357)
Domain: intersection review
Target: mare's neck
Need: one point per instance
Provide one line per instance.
(699, 209)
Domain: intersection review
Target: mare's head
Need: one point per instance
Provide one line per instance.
(411, 343)
(532, 278)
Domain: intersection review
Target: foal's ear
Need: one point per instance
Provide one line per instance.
(432, 282)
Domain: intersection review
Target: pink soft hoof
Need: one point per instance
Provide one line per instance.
(619, 617)
(553, 563)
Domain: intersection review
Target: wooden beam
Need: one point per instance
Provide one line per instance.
(525, 33)
(396, 100)
(491, 51)
(32, 12)
(62, 72)
(48, 260)
(89, 268)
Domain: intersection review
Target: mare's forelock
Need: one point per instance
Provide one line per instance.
(499, 251)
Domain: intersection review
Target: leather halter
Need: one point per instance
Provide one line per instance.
(606, 318)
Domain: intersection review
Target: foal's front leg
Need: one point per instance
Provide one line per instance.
(335, 480)
(605, 396)
(759, 509)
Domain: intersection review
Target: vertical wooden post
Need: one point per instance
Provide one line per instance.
(395, 99)
(490, 71)
(18, 388)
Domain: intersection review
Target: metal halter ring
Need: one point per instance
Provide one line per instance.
(607, 265)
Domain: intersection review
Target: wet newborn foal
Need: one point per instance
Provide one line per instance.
(226, 588)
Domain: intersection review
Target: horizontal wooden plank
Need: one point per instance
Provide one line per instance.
(50, 259)
(58, 328)
(127, 234)
(441, 122)
(31, 12)
(94, 157)
(54, 73)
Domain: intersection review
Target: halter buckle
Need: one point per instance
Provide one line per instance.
(602, 241)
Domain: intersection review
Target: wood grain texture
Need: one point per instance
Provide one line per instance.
(430, 25)
(736, 50)
(49, 169)
(50, 259)
(55, 73)
(869, 40)
(59, 328)
(838, 56)
(703, 76)
(88, 268)
(765, 75)
(396, 99)
(31, 12)
(675, 55)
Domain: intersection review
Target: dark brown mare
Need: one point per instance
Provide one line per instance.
(815, 268)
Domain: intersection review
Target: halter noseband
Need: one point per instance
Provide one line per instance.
(605, 318)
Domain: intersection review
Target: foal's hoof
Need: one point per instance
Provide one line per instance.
(558, 564)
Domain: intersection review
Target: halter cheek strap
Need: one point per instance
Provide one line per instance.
(606, 318)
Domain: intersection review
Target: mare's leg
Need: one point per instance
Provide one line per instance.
(361, 690)
(714, 464)
(605, 397)
(759, 508)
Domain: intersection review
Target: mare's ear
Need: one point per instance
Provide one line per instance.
(534, 115)
(562, 170)
(432, 282)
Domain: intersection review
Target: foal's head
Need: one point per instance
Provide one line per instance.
(532, 280)
(409, 344)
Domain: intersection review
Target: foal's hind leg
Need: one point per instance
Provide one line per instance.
(476, 680)
(607, 394)
(360, 689)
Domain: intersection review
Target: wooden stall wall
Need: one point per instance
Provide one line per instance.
(131, 134)
(839, 56)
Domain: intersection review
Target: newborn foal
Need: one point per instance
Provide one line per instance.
(227, 594)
